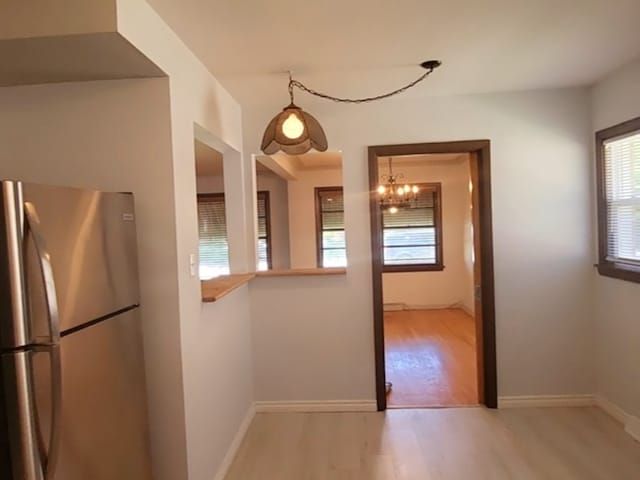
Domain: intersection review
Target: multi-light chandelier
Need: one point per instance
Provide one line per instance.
(393, 195)
(295, 131)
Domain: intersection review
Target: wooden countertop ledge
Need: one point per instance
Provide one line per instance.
(216, 288)
(302, 272)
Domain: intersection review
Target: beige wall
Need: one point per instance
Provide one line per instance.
(542, 246)
(617, 303)
(452, 286)
(302, 213)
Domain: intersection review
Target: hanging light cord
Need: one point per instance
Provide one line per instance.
(429, 65)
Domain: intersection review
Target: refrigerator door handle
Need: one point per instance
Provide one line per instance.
(52, 347)
(49, 459)
(44, 259)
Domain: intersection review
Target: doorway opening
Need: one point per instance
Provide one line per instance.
(434, 314)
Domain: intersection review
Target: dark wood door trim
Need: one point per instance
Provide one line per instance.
(482, 149)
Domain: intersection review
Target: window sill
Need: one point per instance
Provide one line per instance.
(412, 268)
(302, 272)
(621, 272)
(216, 288)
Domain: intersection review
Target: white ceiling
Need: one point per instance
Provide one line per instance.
(363, 47)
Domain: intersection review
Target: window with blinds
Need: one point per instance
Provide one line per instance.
(619, 200)
(330, 236)
(264, 231)
(412, 237)
(214, 247)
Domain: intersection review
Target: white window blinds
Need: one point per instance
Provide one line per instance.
(410, 236)
(214, 247)
(264, 234)
(622, 190)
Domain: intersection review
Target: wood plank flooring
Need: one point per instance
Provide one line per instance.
(430, 358)
(437, 444)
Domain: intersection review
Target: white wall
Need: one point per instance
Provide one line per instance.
(541, 170)
(200, 106)
(451, 286)
(617, 322)
(226, 395)
(302, 213)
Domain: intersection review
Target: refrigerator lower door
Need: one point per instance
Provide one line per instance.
(103, 434)
(90, 239)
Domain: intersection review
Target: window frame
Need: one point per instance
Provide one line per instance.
(318, 207)
(606, 267)
(438, 266)
(267, 213)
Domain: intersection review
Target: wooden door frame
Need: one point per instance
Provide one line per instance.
(482, 149)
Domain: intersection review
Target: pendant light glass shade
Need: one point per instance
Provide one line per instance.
(293, 131)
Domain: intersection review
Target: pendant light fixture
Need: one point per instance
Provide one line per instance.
(294, 131)
(393, 195)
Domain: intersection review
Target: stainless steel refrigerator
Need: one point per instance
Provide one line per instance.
(72, 386)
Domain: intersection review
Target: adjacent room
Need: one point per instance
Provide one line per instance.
(341, 240)
(428, 280)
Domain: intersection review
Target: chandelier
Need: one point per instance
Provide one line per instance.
(394, 195)
(295, 131)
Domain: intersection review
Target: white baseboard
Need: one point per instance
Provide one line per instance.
(394, 307)
(523, 401)
(317, 406)
(235, 443)
(612, 409)
(398, 307)
(631, 424)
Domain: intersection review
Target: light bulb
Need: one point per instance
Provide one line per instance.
(415, 189)
(292, 127)
(407, 189)
(401, 191)
(393, 209)
(381, 189)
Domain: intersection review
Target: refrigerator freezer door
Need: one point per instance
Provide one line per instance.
(90, 237)
(103, 434)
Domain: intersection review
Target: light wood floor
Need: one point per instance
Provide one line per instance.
(430, 358)
(451, 444)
